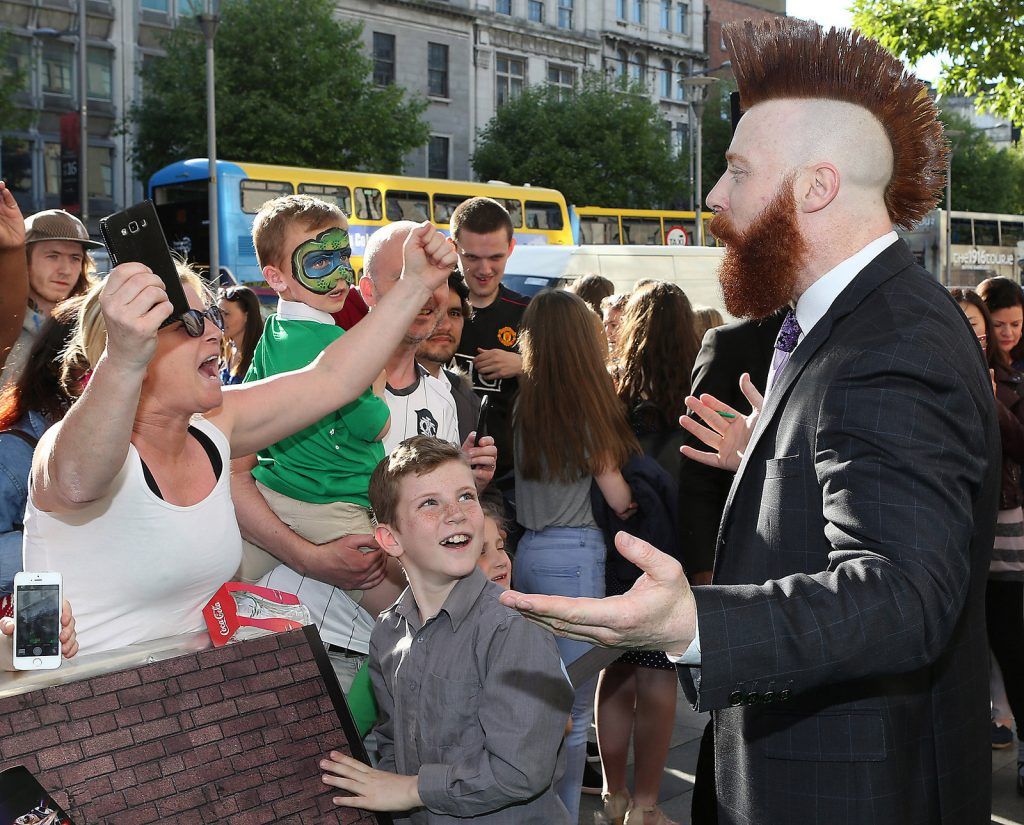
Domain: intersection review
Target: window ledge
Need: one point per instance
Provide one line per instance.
(436, 99)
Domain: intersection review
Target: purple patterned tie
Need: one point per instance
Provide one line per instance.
(785, 344)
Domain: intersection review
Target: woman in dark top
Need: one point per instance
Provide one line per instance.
(243, 326)
(999, 304)
(636, 696)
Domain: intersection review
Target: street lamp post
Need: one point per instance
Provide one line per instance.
(208, 23)
(696, 92)
(950, 133)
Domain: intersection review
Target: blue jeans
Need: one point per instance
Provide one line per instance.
(566, 561)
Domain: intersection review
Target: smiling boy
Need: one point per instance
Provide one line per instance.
(473, 698)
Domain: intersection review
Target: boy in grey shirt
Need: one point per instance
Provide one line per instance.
(473, 698)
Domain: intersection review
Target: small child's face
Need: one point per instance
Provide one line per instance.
(316, 269)
(494, 561)
(440, 526)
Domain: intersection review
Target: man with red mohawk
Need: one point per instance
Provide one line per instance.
(841, 647)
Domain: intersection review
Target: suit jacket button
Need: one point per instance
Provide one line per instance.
(736, 699)
(768, 696)
(752, 698)
(784, 695)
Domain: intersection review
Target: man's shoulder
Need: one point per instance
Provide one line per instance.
(512, 298)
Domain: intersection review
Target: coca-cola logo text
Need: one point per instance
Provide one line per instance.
(218, 614)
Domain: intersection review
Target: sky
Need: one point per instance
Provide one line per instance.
(837, 13)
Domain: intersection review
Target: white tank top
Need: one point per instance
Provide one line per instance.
(136, 567)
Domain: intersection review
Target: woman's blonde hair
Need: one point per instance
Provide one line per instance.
(89, 337)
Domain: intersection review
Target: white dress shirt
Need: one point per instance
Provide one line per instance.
(810, 308)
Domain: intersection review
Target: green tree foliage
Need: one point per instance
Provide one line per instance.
(984, 179)
(984, 41)
(293, 87)
(12, 82)
(717, 133)
(606, 144)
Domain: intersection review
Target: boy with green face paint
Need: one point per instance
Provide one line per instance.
(316, 481)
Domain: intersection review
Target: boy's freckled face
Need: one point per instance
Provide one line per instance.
(300, 242)
(440, 525)
(494, 561)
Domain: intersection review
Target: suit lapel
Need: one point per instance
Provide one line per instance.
(891, 261)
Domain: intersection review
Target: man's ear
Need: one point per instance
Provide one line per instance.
(818, 187)
(388, 540)
(276, 278)
(366, 290)
(511, 245)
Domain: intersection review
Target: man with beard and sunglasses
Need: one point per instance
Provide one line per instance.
(841, 645)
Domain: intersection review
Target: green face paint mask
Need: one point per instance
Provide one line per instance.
(321, 262)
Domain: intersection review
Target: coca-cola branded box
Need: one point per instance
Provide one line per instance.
(240, 611)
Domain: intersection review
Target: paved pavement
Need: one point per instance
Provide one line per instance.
(1007, 806)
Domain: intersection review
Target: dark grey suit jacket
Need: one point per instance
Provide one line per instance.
(844, 647)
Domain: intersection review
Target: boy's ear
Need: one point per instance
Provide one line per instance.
(388, 540)
(277, 279)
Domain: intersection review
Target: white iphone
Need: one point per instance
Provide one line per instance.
(37, 601)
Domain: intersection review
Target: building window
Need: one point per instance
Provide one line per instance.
(665, 79)
(100, 74)
(383, 59)
(666, 15)
(535, 11)
(155, 5)
(503, 6)
(16, 165)
(101, 172)
(190, 8)
(565, 9)
(620, 9)
(681, 137)
(437, 157)
(57, 72)
(681, 71)
(637, 68)
(684, 18)
(621, 63)
(510, 74)
(437, 70)
(638, 11)
(17, 60)
(562, 78)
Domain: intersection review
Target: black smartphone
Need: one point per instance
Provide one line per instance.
(23, 799)
(135, 234)
(481, 418)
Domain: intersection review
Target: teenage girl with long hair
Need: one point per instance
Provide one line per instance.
(243, 325)
(570, 429)
(636, 696)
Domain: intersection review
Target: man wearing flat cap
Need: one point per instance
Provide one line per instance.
(56, 244)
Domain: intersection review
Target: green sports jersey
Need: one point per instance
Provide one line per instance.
(332, 459)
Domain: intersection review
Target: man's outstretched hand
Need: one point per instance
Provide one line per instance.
(727, 432)
(12, 224)
(658, 612)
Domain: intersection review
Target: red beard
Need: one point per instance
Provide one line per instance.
(759, 270)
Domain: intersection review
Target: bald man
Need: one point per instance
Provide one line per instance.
(841, 646)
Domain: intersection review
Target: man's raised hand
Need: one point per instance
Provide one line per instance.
(429, 256)
(12, 223)
(727, 432)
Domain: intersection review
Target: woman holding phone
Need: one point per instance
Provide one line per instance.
(130, 493)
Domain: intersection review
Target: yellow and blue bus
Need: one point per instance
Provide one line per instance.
(180, 192)
(647, 227)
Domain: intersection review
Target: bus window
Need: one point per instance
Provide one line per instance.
(255, 193)
(444, 205)
(599, 229)
(195, 190)
(540, 215)
(368, 204)
(961, 231)
(1013, 232)
(646, 231)
(986, 233)
(338, 195)
(515, 211)
(407, 206)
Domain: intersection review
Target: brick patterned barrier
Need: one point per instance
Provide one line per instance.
(231, 735)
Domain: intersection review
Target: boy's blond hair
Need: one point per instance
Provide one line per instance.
(419, 454)
(271, 223)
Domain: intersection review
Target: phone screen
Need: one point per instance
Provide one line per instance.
(37, 625)
(23, 801)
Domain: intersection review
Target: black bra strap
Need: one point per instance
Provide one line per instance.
(212, 453)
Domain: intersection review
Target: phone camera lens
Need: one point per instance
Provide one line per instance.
(133, 227)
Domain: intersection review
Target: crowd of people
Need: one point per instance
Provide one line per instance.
(401, 446)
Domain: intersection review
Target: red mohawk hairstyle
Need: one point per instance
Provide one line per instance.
(789, 58)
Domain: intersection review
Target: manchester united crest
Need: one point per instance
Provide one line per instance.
(507, 337)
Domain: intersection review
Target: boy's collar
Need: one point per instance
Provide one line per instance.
(457, 606)
(296, 311)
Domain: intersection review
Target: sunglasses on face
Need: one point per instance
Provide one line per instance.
(194, 321)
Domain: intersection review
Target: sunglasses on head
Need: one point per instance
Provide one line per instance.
(194, 321)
